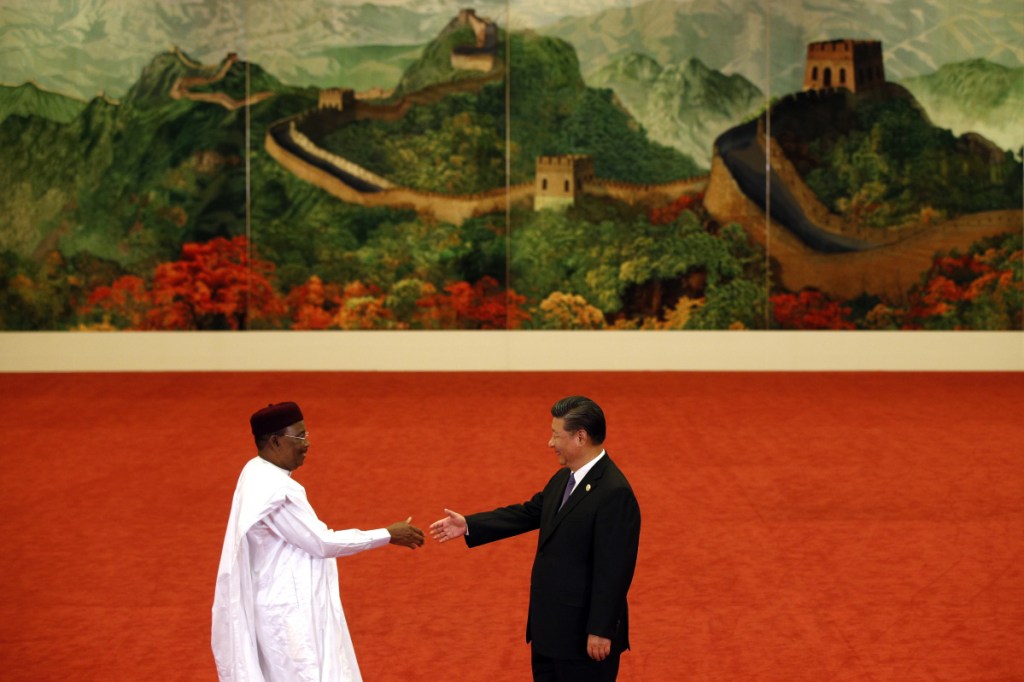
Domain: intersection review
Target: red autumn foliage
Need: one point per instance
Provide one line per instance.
(482, 305)
(663, 215)
(313, 305)
(810, 309)
(126, 298)
(362, 307)
(215, 285)
(316, 305)
(952, 280)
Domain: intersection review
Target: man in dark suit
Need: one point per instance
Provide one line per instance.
(589, 523)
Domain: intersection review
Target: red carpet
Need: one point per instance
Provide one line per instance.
(795, 526)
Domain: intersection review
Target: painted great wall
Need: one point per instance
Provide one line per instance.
(182, 87)
(808, 246)
(291, 142)
(354, 184)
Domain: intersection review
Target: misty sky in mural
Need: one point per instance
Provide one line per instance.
(83, 47)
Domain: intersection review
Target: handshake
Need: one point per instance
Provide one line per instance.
(407, 535)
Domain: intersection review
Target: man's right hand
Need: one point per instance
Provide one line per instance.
(405, 534)
(450, 527)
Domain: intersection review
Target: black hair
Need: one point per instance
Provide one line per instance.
(581, 412)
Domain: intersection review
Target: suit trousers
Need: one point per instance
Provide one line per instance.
(575, 670)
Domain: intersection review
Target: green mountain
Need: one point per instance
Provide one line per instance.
(457, 144)
(975, 96)
(685, 105)
(630, 76)
(129, 183)
(31, 100)
(875, 158)
(434, 64)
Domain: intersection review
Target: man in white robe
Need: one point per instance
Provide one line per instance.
(277, 613)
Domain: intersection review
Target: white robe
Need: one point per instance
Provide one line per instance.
(276, 611)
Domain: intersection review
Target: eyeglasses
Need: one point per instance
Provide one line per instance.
(302, 438)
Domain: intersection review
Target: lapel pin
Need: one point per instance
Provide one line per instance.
(588, 487)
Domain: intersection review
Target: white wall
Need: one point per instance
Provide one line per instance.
(509, 351)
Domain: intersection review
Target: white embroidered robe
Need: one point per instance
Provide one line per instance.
(277, 614)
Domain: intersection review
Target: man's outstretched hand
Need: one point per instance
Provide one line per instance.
(405, 534)
(450, 527)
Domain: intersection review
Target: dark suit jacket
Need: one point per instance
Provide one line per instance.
(586, 554)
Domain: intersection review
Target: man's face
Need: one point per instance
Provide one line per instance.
(292, 446)
(566, 444)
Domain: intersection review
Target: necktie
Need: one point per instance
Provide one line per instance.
(570, 484)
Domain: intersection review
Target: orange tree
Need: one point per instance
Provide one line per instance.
(982, 289)
(409, 304)
(809, 309)
(215, 285)
(319, 305)
(484, 304)
(313, 305)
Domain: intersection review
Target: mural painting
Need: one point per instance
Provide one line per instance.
(671, 164)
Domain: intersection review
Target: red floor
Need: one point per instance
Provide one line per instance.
(795, 526)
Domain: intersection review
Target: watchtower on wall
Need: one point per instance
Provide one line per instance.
(479, 56)
(336, 98)
(560, 179)
(852, 64)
